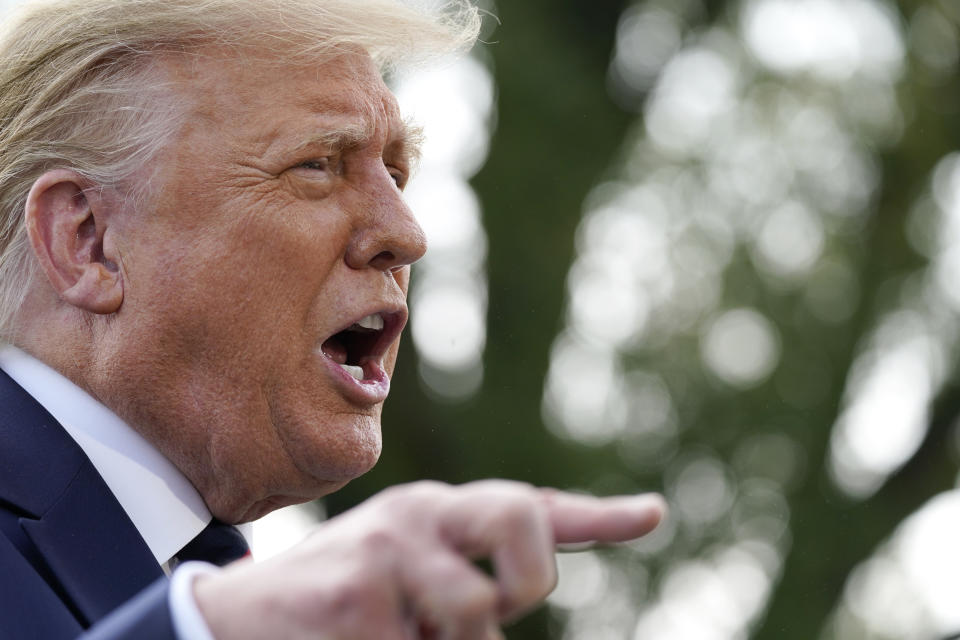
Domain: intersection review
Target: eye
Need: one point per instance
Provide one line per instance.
(399, 177)
(318, 164)
(320, 170)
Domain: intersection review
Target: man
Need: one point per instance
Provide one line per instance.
(204, 259)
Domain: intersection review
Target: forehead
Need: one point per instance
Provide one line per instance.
(264, 98)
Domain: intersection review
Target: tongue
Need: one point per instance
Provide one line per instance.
(335, 350)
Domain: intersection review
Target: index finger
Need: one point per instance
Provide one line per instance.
(581, 518)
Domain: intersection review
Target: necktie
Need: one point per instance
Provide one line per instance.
(219, 543)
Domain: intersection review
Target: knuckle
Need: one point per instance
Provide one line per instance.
(553, 578)
(515, 606)
(549, 582)
(516, 512)
(531, 590)
(450, 592)
(480, 601)
(411, 506)
(406, 495)
(423, 487)
(366, 579)
(351, 596)
(378, 542)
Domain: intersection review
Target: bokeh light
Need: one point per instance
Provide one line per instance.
(757, 151)
(741, 347)
(829, 38)
(454, 103)
(907, 588)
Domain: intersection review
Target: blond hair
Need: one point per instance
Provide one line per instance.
(80, 86)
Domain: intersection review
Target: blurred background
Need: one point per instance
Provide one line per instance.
(709, 248)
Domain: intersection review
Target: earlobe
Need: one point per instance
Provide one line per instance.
(71, 238)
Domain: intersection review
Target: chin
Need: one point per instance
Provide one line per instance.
(360, 459)
(341, 454)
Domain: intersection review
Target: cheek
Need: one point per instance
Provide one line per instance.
(402, 276)
(328, 446)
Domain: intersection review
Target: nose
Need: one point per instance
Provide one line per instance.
(387, 236)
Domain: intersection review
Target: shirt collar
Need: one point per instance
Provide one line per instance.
(165, 508)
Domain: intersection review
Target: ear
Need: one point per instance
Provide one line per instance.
(71, 236)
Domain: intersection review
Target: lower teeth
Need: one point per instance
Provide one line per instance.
(356, 372)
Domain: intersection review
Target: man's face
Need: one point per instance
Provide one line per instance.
(265, 289)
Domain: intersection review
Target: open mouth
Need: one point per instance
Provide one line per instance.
(359, 349)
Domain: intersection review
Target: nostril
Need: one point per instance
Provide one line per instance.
(385, 260)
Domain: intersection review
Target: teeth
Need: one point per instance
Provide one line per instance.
(356, 372)
(373, 322)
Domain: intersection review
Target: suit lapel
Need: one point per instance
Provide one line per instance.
(88, 543)
(92, 547)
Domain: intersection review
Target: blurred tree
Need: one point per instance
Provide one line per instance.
(720, 247)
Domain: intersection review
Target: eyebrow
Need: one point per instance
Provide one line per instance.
(339, 137)
(407, 143)
(410, 141)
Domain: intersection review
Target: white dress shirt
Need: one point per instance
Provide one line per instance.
(162, 504)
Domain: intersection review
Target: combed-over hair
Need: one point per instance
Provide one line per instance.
(81, 83)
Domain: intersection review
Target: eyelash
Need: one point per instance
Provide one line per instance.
(323, 164)
(399, 177)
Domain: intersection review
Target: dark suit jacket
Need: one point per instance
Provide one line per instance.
(70, 558)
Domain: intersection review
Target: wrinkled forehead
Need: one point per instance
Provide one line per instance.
(221, 84)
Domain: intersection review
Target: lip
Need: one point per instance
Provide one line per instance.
(373, 389)
(375, 386)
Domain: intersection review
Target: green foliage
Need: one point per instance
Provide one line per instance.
(762, 443)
